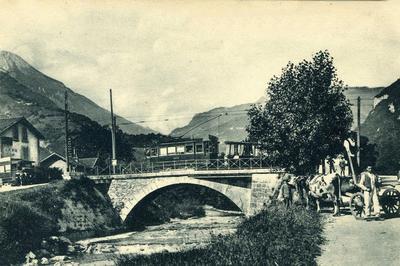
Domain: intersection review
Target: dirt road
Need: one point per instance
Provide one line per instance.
(352, 242)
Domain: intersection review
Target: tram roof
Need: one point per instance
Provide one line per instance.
(241, 143)
(182, 142)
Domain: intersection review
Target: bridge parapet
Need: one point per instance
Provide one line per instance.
(211, 173)
(196, 165)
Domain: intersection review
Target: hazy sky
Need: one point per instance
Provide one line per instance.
(173, 59)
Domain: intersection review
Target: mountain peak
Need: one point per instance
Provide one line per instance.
(10, 62)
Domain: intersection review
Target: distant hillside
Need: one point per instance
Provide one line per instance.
(382, 127)
(40, 85)
(18, 100)
(231, 125)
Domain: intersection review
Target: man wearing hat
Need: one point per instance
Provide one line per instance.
(368, 183)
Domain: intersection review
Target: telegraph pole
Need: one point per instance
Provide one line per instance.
(66, 132)
(114, 161)
(358, 129)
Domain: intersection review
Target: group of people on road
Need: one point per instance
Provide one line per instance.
(368, 183)
(330, 183)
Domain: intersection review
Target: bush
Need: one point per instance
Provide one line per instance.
(22, 227)
(276, 236)
(30, 215)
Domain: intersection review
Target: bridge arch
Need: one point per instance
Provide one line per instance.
(240, 196)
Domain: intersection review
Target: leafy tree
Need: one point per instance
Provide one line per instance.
(306, 118)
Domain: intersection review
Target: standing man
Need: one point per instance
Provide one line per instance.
(331, 164)
(368, 183)
(342, 165)
(285, 191)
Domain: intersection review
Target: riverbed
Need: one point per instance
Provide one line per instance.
(177, 235)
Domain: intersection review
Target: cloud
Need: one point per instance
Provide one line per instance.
(171, 60)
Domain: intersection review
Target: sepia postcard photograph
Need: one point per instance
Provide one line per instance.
(168, 132)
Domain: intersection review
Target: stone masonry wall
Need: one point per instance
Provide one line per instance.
(262, 187)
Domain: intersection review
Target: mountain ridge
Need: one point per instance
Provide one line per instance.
(233, 121)
(54, 90)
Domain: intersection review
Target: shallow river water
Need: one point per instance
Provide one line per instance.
(174, 236)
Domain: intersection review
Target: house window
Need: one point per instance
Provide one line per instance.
(199, 147)
(25, 153)
(24, 134)
(15, 133)
(6, 147)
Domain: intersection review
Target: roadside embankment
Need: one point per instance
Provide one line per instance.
(29, 216)
(276, 236)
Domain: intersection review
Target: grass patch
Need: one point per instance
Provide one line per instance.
(276, 236)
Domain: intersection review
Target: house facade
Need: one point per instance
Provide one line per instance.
(19, 146)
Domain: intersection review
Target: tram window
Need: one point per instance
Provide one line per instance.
(235, 149)
(171, 150)
(206, 147)
(180, 149)
(199, 148)
(189, 148)
(153, 152)
(163, 151)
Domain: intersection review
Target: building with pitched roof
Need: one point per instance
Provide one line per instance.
(19, 146)
(78, 165)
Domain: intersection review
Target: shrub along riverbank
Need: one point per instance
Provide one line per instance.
(276, 236)
(28, 216)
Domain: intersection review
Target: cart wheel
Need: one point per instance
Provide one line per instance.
(391, 202)
(356, 205)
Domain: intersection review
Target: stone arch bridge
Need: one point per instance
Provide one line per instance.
(248, 189)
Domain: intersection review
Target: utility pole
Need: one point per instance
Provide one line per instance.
(66, 132)
(114, 161)
(358, 129)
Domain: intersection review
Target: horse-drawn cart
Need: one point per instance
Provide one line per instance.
(388, 195)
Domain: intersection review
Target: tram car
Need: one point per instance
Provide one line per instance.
(242, 149)
(184, 150)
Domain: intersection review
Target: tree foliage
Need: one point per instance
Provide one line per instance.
(306, 118)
